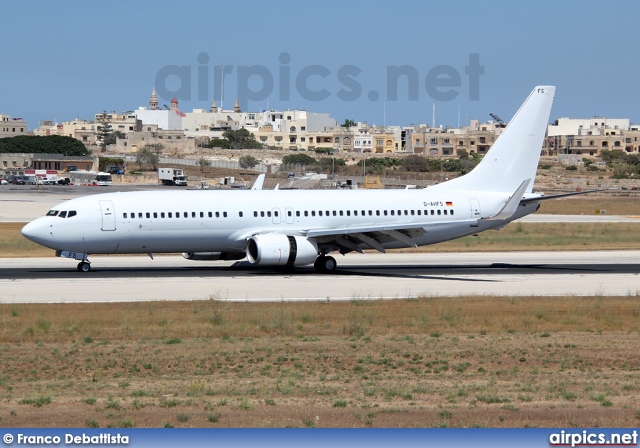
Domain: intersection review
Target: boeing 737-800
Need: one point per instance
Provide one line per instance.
(301, 227)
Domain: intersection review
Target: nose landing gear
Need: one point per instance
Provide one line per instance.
(84, 266)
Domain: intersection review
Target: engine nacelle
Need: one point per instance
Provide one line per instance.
(197, 256)
(275, 249)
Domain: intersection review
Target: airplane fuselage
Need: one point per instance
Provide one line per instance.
(221, 221)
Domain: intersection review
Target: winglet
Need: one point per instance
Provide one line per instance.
(512, 204)
(257, 185)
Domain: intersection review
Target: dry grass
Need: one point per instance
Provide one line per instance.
(465, 361)
(587, 205)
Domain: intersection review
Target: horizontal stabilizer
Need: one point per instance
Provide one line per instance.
(561, 195)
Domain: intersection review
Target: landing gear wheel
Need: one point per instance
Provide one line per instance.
(325, 264)
(84, 266)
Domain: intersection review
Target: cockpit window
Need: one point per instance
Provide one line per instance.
(72, 213)
(62, 214)
(52, 213)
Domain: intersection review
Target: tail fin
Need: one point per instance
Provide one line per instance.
(515, 155)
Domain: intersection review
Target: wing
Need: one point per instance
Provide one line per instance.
(352, 238)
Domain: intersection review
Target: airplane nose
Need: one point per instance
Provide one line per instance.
(36, 231)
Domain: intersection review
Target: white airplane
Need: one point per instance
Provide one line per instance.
(299, 227)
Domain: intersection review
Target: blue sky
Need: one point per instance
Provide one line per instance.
(62, 60)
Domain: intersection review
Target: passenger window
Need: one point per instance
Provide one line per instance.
(133, 215)
(210, 215)
(451, 212)
(186, 215)
(377, 212)
(370, 212)
(262, 214)
(413, 212)
(334, 213)
(269, 214)
(148, 215)
(348, 212)
(224, 214)
(432, 212)
(355, 213)
(155, 214)
(240, 213)
(327, 213)
(445, 212)
(202, 214)
(170, 215)
(162, 214)
(124, 215)
(313, 213)
(385, 213)
(420, 212)
(72, 213)
(193, 214)
(255, 214)
(177, 214)
(393, 212)
(406, 212)
(297, 213)
(306, 213)
(439, 212)
(289, 213)
(341, 213)
(217, 214)
(275, 213)
(140, 215)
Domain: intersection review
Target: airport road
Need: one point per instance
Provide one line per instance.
(369, 276)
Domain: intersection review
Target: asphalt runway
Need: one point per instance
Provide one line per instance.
(368, 276)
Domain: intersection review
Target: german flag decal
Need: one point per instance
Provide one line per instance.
(449, 204)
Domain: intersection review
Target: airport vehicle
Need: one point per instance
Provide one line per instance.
(172, 176)
(90, 178)
(290, 228)
(114, 169)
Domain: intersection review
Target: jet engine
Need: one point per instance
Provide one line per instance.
(275, 249)
(213, 255)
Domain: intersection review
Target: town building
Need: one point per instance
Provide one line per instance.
(10, 127)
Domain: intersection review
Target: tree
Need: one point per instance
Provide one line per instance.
(202, 162)
(247, 162)
(112, 137)
(104, 129)
(241, 139)
(36, 144)
(348, 123)
(415, 163)
(148, 155)
(218, 143)
(298, 159)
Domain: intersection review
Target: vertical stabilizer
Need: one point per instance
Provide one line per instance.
(514, 156)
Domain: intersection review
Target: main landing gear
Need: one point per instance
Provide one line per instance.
(325, 264)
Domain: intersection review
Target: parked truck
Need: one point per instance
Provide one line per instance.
(172, 176)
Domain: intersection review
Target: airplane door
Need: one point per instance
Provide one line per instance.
(275, 215)
(289, 216)
(475, 208)
(108, 216)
